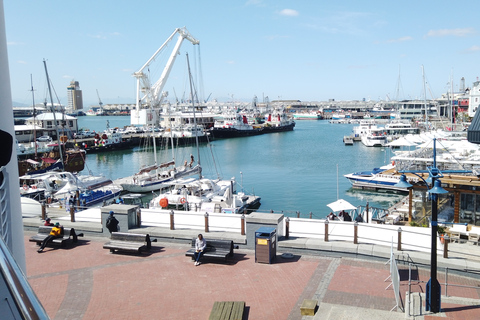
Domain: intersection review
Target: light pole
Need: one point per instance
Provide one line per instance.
(433, 289)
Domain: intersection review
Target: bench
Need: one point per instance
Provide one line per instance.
(69, 234)
(131, 242)
(215, 249)
(227, 310)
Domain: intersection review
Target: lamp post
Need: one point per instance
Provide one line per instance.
(433, 289)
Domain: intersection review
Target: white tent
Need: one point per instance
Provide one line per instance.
(340, 205)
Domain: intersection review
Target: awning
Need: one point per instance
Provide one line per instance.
(340, 205)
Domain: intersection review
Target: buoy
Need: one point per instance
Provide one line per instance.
(34, 187)
(163, 202)
(393, 163)
(25, 187)
(183, 200)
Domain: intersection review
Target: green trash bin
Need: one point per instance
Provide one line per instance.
(265, 245)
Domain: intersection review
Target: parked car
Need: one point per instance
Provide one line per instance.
(44, 139)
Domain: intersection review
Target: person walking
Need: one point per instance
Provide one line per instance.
(200, 245)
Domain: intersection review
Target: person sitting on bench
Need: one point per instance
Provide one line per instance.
(200, 244)
(56, 232)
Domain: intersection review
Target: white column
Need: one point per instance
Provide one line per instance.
(14, 223)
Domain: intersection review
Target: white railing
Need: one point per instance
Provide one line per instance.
(412, 238)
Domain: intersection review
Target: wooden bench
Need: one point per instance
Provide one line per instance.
(227, 310)
(215, 249)
(131, 242)
(69, 234)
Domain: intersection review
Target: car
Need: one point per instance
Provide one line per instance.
(44, 139)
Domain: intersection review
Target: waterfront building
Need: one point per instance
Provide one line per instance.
(67, 125)
(74, 94)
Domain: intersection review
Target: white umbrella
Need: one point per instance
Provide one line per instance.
(340, 205)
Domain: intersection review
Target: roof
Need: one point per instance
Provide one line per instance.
(473, 133)
(49, 116)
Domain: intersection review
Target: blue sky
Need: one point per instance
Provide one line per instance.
(306, 50)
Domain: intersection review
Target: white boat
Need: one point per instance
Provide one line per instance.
(375, 179)
(205, 195)
(376, 137)
(307, 116)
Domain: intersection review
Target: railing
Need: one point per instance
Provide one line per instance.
(404, 237)
(19, 301)
(177, 219)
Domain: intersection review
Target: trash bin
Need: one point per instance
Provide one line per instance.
(265, 244)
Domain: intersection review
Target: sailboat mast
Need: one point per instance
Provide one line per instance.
(425, 98)
(194, 117)
(34, 119)
(54, 116)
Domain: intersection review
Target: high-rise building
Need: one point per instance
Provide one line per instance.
(75, 100)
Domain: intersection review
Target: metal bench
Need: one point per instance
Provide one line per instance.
(215, 249)
(131, 242)
(69, 234)
(227, 310)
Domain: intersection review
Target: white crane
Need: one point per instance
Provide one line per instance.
(152, 95)
(100, 103)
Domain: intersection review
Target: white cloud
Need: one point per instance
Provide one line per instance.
(472, 49)
(401, 39)
(258, 3)
(12, 43)
(458, 32)
(289, 12)
(230, 62)
(21, 62)
(67, 77)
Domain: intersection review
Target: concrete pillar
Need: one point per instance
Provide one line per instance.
(125, 214)
(256, 220)
(11, 218)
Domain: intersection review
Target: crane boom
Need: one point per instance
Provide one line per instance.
(152, 93)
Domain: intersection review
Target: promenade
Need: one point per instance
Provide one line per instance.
(85, 281)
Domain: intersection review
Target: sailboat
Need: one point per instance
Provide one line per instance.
(47, 155)
(203, 194)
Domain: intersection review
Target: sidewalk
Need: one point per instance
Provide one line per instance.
(347, 280)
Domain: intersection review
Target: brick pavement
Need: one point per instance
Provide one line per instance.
(91, 283)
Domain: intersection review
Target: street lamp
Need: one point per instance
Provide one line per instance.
(433, 289)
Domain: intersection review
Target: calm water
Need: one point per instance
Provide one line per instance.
(291, 171)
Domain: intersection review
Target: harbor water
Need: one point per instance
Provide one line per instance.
(300, 170)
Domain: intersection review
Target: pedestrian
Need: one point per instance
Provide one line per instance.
(200, 245)
(112, 223)
(48, 222)
(56, 232)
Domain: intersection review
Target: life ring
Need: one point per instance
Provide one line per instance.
(183, 200)
(163, 202)
(49, 200)
(393, 163)
(25, 187)
(34, 187)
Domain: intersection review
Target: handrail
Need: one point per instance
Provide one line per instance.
(26, 303)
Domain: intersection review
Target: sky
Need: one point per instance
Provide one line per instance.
(289, 50)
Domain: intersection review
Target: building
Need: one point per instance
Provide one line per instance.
(75, 100)
(67, 125)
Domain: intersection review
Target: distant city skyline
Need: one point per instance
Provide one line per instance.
(305, 50)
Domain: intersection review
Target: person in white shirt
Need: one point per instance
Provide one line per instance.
(200, 244)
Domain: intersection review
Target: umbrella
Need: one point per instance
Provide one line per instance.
(340, 205)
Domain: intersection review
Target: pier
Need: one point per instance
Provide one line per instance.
(343, 277)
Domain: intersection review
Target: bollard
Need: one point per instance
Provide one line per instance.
(287, 228)
(139, 217)
(446, 240)
(206, 221)
(326, 230)
(298, 214)
(242, 221)
(399, 242)
(172, 222)
(72, 214)
(355, 232)
(44, 211)
(310, 214)
(271, 211)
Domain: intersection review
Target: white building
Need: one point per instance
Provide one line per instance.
(67, 125)
(474, 99)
